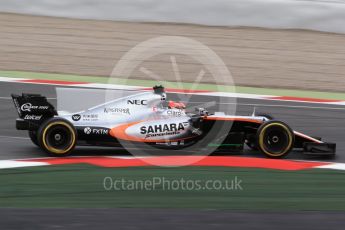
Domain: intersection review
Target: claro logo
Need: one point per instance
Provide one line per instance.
(137, 102)
(28, 107)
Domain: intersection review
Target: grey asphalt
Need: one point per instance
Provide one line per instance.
(314, 119)
(166, 219)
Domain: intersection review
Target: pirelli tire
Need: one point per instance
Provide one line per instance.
(33, 137)
(275, 139)
(57, 137)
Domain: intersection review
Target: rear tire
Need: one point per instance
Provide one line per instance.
(57, 137)
(33, 137)
(275, 139)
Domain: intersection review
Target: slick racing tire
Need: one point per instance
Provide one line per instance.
(57, 137)
(33, 137)
(275, 139)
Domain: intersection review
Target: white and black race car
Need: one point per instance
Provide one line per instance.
(147, 118)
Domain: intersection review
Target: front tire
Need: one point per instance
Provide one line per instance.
(57, 137)
(275, 139)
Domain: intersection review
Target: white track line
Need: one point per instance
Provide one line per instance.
(267, 105)
(30, 162)
(10, 98)
(337, 166)
(11, 137)
(127, 87)
(6, 164)
(246, 104)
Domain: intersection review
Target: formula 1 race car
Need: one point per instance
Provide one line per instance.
(147, 118)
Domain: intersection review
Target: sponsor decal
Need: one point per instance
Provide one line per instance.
(137, 102)
(28, 107)
(87, 130)
(76, 117)
(90, 117)
(85, 117)
(174, 112)
(33, 117)
(117, 110)
(96, 131)
(163, 130)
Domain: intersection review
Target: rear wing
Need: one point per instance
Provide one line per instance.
(33, 108)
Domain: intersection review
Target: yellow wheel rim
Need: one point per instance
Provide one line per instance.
(261, 140)
(55, 150)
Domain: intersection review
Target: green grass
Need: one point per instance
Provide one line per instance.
(150, 83)
(82, 186)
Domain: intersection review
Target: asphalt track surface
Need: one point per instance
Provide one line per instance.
(166, 219)
(315, 119)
